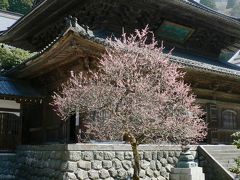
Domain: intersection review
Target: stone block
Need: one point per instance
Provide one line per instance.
(109, 155)
(98, 155)
(106, 164)
(97, 165)
(169, 167)
(170, 160)
(69, 176)
(148, 156)
(153, 165)
(119, 155)
(74, 155)
(103, 173)
(171, 153)
(58, 155)
(64, 166)
(175, 160)
(128, 155)
(141, 155)
(87, 155)
(149, 172)
(117, 164)
(93, 174)
(126, 164)
(156, 173)
(130, 172)
(163, 162)
(85, 165)
(51, 155)
(113, 172)
(154, 155)
(177, 153)
(159, 155)
(144, 164)
(165, 154)
(72, 166)
(187, 174)
(158, 165)
(122, 173)
(81, 174)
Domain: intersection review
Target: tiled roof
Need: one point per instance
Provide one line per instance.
(217, 67)
(12, 87)
(199, 63)
(212, 11)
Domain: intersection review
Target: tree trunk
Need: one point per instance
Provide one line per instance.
(136, 166)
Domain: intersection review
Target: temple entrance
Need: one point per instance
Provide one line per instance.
(10, 131)
(72, 130)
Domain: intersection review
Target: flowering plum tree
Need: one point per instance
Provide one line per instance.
(140, 90)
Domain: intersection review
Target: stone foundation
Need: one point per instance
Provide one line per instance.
(94, 161)
(7, 166)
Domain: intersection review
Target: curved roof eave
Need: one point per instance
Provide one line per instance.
(86, 35)
(47, 3)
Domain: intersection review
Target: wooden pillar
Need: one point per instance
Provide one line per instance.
(77, 130)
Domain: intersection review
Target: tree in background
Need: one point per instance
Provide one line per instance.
(236, 142)
(209, 3)
(20, 6)
(231, 4)
(141, 92)
(10, 57)
(4, 4)
(236, 10)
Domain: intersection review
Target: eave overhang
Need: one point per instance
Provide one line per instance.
(20, 90)
(72, 44)
(78, 42)
(19, 33)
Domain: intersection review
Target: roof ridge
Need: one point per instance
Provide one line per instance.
(210, 10)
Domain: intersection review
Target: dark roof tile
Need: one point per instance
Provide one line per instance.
(12, 87)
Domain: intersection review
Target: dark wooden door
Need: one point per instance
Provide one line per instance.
(10, 131)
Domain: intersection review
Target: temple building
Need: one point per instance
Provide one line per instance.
(70, 36)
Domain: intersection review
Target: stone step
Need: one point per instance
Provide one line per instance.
(226, 156)
(223, 150)
(227, 162)
(225, 153)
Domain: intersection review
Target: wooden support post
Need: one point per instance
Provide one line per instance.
(77, 131)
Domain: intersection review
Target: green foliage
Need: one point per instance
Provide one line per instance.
(20, 6)
(209, 3)
(4, 4)
(236, 142)
(231, 4)
(10, 57)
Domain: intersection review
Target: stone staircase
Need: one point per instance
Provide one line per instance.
(223, 155)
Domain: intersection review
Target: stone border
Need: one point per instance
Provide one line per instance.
(101, 147)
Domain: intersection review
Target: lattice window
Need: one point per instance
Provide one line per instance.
(229, 119)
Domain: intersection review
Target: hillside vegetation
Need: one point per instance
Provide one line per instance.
(18, 6)
(229, 7)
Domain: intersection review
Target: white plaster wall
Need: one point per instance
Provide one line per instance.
(10, 105)
(7, 20)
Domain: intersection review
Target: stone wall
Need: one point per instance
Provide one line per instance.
(94, 161)
(7, 165)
